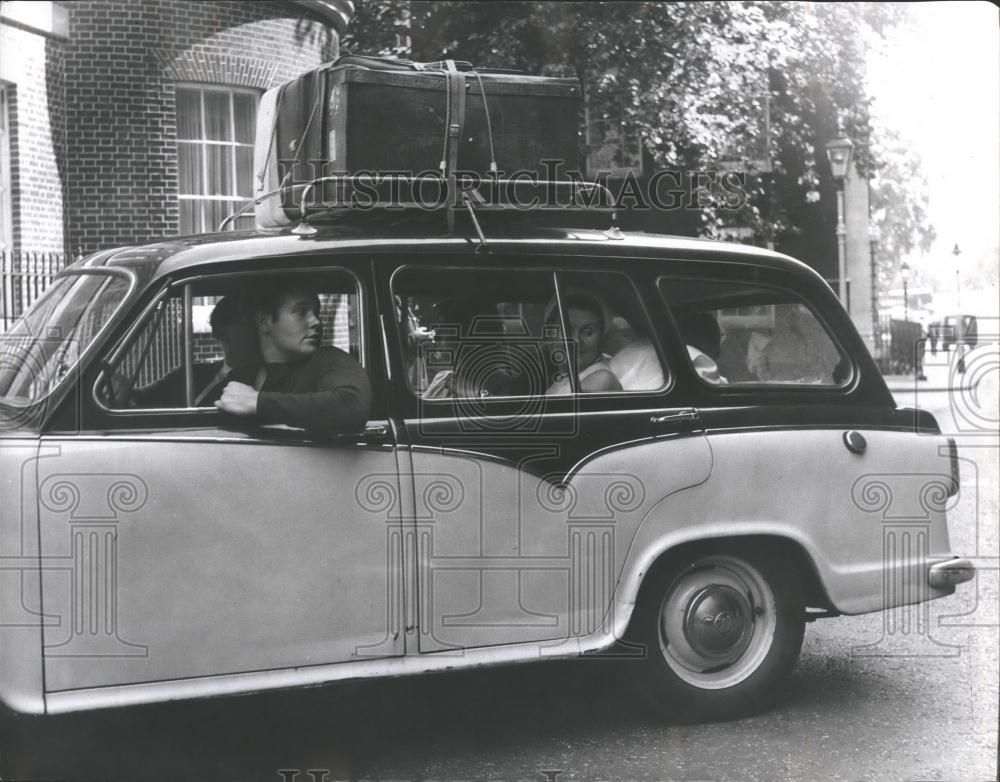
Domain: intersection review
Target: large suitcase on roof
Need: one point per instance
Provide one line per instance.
(361, 114)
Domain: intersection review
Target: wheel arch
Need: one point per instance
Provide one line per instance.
(672, 553)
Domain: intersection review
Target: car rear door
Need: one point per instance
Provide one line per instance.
(525, 505)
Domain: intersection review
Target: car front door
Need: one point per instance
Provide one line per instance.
(180, 544)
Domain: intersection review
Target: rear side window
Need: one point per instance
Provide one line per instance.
(475, 333)
(740, 333)
(488, 333)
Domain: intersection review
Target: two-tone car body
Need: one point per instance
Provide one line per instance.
(151, 552)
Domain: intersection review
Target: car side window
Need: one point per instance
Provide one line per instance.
(749, 333)
(501, 333)
(473, 333)
(204, 326)
(625, 344)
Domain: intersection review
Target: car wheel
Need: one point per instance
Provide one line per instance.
(720, 632)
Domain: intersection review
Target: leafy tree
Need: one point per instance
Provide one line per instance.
(899, 204)
(691, 78)
(378, 27)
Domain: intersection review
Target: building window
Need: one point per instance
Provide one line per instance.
(215, 130)
(6, 220)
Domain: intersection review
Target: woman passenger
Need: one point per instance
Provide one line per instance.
(587, 325)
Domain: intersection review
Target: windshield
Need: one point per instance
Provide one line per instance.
(45, 344)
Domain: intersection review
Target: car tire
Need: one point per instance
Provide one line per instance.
(721, 631)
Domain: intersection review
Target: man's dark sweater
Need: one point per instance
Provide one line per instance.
(327, 393)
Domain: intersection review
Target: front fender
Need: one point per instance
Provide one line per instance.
(21, 686)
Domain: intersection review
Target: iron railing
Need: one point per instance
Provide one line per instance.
(24, 274)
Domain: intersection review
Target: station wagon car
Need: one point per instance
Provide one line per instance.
(745, 470)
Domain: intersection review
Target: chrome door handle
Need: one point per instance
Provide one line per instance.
(681, 415)
(376, 430)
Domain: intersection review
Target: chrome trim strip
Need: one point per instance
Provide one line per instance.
(385, 348)
(697, 431)
(167, 435)
(569, 414)
(443, 450)
(98, 258)
(628, 443)
(178, 436)
(574, 379)
(60, 702)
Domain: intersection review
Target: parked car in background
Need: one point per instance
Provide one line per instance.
(958, 331)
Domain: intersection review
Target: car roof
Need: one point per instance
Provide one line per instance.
(176, 254)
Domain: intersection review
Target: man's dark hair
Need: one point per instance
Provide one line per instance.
(224, 315)
(268, 293)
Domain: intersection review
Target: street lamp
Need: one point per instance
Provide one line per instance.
(838, 152)
(915, 346)
(873, 245)
(904, 274)
(958, 290)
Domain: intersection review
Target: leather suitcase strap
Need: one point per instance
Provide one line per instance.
(456, 116)
(456, 124)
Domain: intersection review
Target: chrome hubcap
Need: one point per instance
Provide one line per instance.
(718, 623)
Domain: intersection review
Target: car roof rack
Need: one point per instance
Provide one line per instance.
(475, 199)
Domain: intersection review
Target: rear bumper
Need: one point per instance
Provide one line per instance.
(946, 574)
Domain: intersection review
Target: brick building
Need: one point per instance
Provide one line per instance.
(123, 121)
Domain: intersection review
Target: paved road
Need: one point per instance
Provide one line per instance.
(926, 712)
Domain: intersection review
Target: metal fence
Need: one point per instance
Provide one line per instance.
(24, 274)
(899, 345)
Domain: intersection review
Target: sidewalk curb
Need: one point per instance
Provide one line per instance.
(896, 385)
(930, 389)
